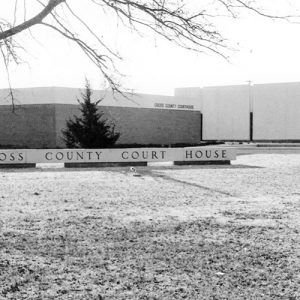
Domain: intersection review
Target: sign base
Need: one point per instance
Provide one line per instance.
(205, 162)
(105, 164)
(17, 166)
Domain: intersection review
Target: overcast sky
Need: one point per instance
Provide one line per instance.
(266, 51)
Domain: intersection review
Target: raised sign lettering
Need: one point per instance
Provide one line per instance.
(115, 155)
(173, 106)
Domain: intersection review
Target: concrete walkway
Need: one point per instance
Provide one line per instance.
(266, 148)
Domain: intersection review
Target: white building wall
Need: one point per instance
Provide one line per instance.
(191, 96)
(226, 113)
(276, 111)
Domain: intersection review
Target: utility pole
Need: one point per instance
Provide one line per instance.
(250, 99)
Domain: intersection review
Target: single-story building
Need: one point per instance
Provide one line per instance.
(260, 112)
(41, 113)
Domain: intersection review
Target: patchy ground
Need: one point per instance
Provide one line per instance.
(229, 232)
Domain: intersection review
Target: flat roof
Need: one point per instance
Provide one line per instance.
(65, 95)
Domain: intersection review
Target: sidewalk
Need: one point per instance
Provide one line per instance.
(265, 148)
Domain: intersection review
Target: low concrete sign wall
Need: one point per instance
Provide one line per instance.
(23, 156)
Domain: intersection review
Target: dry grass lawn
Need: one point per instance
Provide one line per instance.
(228, 232)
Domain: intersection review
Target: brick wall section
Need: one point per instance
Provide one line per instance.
(142, 125)
(30, 126)
(40, 125)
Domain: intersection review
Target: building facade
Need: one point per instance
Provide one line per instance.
(260, 112)
(41, 115)
(263, 112)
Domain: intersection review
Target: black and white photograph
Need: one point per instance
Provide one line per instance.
(150, 149)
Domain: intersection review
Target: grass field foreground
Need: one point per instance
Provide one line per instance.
(228, 232)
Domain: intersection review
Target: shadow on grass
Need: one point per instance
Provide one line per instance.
(202, 187)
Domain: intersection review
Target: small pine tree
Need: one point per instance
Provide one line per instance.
(89, 130)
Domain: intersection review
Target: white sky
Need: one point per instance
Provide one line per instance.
(268, 51)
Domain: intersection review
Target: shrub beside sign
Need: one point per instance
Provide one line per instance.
(22, 156)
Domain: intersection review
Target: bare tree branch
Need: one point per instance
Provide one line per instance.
(11, 94)
(92, 32)
(31, 22)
